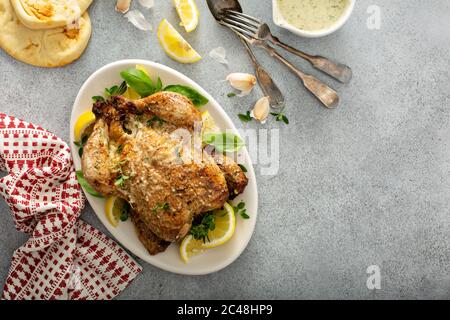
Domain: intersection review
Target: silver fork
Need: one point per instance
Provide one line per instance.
(320, 90)
(255, 28)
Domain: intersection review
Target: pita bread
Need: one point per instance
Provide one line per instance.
(48, 14)
(43, 48)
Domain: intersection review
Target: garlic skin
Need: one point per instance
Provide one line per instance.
(242, 81)
(219, 54)
(123, 6)
(138, 20)
(261, 109)
(148, 4)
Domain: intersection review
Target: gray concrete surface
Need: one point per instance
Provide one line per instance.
(366, 184)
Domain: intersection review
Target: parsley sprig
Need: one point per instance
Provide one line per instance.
(200, 229)
(125, 211)
(241, 210)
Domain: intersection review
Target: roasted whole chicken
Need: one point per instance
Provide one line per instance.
(149, 153)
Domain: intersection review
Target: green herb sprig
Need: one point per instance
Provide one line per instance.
(116, 90)
(245, 117)
(139, 81)
(197, 99)
(81, 144)
(280, 117)
(241, 210)
(125, 211)
(243, 168)
(200, 230)
(224, 142)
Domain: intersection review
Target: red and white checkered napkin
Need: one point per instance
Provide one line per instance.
(64, 258)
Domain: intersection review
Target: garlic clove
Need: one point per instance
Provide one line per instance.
(123, 6)
(242, 81)
(261, 109)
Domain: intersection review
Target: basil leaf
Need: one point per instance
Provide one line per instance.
(159, 85)
(139, 81)
(245, 117)
(98, 98)
(243, 168)
(224, 142)
(197, 99)
(86, 185)
(110, 92)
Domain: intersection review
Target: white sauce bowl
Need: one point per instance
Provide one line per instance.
(280, 21)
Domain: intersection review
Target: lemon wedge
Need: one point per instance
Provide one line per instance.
(116, 209)
(190, 247)
(225, 222)
(174, 45)
(225, 225)
(131, 94)
(84, 121)
(143, 69)
(208, 124)
(188, 12)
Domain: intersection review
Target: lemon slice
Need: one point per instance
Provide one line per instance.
(225, 225)
(225, 222)
(115, 210)
(209, 125)
(190, 247)
(188, 12)
(84, 121)
(174, 45)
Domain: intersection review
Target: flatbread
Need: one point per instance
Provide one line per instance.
(49, 14)
(44, 48)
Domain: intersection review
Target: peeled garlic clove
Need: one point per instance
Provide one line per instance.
(123, 6)
(242, 81)
(261, 109)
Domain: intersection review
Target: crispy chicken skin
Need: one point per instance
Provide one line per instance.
(138, 151)
(151, 242)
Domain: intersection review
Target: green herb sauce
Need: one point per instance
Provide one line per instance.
(312, 15)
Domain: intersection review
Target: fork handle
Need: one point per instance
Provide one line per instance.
(265, 81)
(336, 70)
(320, 90)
